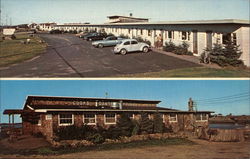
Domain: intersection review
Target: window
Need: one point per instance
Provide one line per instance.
(149, 32)
(66, 119)
(150, 116)
(110, 118)
(173, 118)
(48, 116)
(134, 42)
(171, 34)
(39, 122)
(234, 39)
(129, 30)
(226, 38)
(184, 35)
(141, 32)
(201, 117)
(163, 117)
(89, 119)
(127, 43)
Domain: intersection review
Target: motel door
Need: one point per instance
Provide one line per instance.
(209, 39)
(195, 42)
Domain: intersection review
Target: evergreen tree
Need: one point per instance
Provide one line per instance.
(158, 123)
(124, 125)
(146, 125)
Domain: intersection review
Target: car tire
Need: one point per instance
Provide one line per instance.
(100, 45)
(123, 51)
(145, 49)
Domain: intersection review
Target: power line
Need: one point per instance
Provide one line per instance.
(224, 97)
(223, 103)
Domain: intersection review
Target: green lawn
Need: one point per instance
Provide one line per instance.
(13, 51)
(196, 72)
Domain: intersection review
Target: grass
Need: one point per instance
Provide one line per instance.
(101, 147)
(196, 72)
(13, 51)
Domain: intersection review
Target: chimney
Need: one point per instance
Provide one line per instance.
(120, 104)
(190, 105)
(130, 14)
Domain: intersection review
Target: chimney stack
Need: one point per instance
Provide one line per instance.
(130, 14)
(190, 105)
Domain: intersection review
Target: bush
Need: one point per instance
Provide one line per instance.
(139, 39)
(96, 138)
(224, 56)
(158, 123)
(181, 49)
(124, 36)
(146, 125)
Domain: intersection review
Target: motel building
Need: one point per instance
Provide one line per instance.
(199, 34)
(46, 114)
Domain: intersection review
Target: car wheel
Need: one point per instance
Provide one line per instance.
(123, 51)
(145, 49)
(100, 45)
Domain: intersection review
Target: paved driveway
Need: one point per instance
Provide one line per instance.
(69, 56)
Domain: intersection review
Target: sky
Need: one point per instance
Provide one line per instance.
(96, 11)
(173, 93)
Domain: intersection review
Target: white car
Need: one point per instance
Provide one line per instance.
(130, 45)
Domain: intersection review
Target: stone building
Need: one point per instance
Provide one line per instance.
(46, 114)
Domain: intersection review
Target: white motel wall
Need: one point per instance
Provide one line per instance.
(198, 34)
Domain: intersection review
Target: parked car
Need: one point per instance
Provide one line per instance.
(109, 41)
(55, 31)
(79, 34)
(95, 36)
(130, 45)
(86, 34)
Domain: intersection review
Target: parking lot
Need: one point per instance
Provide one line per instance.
(69, 56)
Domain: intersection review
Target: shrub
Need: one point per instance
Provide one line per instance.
(169, 47)
(124, 36)
(124, 125)
(136, 128)
(139, 39)
(96, 138)
(224, 56)
(181, 49)
(158, 123)
(146, 125)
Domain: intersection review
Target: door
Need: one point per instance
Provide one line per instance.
(134, 46)
(209, 39)
(195, 42)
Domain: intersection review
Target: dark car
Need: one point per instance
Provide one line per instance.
(95, 36)
(86, 34)
(55, 31)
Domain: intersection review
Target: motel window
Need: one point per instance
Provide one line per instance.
(234, 39)
(39, 122)
(89, 119)
(150, 116)
(226, 38)
(48, 116)
(66, 119)
(149, 32)
(201, 117)
(189, 33)
(170, 34)
(173, 117)
(110, 118)
(129, 30)
(141, 32)
(184, 35)
(163, 117)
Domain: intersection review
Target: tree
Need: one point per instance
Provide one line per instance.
(158, 123)
(146, 125)
(124, 125)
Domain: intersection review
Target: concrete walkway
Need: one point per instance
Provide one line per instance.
(193, 59)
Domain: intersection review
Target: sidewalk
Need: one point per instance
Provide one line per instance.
(193, 59)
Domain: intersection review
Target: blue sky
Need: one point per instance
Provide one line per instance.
(172, 93)
(96, 11)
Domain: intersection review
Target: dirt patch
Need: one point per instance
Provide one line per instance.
(24, 142)
(202, 150)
